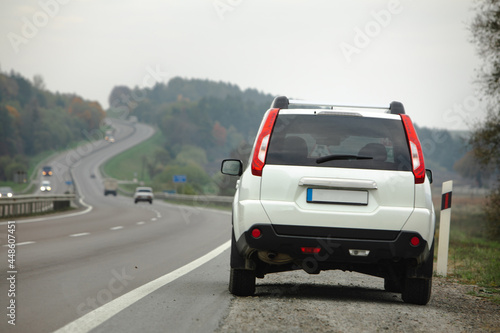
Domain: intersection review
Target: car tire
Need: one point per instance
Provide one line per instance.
(150, 202)
(418, 290)
(242, 282)
(135, 201)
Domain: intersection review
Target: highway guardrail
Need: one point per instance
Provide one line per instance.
(34, 204)
(197, 199)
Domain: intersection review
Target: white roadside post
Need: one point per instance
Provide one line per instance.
(444, 229)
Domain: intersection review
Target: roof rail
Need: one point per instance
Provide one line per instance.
(282, 102)
(397, 108)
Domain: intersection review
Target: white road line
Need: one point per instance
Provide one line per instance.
(91, 320)
(80, 234)
(158, 214)
(153, 219)
(116, 228)
(20, 244)
(140, 223)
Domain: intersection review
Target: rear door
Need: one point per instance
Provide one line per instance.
(344, 170)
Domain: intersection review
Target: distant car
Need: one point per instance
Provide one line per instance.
(45, 187)
(6, 192)
(143, 194)
(47, 171)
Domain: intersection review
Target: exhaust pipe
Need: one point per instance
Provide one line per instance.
(274, 258)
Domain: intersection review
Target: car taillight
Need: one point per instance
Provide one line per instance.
(417, 157)
(256, 233)
(415, 241)
(262, 142)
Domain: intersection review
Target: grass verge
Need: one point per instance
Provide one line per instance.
(132, 163)
(473, 258)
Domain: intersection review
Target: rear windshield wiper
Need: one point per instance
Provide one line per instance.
(342, 157)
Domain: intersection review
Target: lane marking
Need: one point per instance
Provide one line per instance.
(80, 234)
(91, 320)
(158, 214)
(153, 219)
(140, 223)
(20, 244)
(116, 228)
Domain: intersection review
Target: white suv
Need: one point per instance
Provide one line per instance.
(334, 187)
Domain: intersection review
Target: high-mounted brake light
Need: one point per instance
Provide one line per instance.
(417, 157)
(262, 142)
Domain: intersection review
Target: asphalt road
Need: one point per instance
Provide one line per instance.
(71, 267)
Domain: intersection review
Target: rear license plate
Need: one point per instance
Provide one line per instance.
(345, 197)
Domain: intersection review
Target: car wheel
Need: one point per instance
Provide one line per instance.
(135, 201)
(242, 282)
(418, 290)
(150, 202)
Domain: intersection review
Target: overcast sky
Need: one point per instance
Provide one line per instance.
(351, 52)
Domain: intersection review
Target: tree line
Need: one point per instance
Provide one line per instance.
(202, 122)
(34, 120)
(205, 121)
(485, 139)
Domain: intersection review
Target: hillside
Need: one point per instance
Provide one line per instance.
(34, 120)
(204, 121)
(200, 121)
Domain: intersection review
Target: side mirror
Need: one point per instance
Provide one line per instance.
(428, 173)
(231, 167)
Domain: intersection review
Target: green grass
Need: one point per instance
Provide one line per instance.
(130, 163)
(473, 258)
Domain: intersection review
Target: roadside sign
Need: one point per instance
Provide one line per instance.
(179, 178)
(69, 182)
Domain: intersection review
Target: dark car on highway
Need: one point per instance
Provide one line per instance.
(47, 171)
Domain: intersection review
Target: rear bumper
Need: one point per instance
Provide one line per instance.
(143, 199)
(334, 243)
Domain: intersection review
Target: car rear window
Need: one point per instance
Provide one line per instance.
(342, 141)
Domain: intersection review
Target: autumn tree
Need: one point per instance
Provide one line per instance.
(485, 30)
